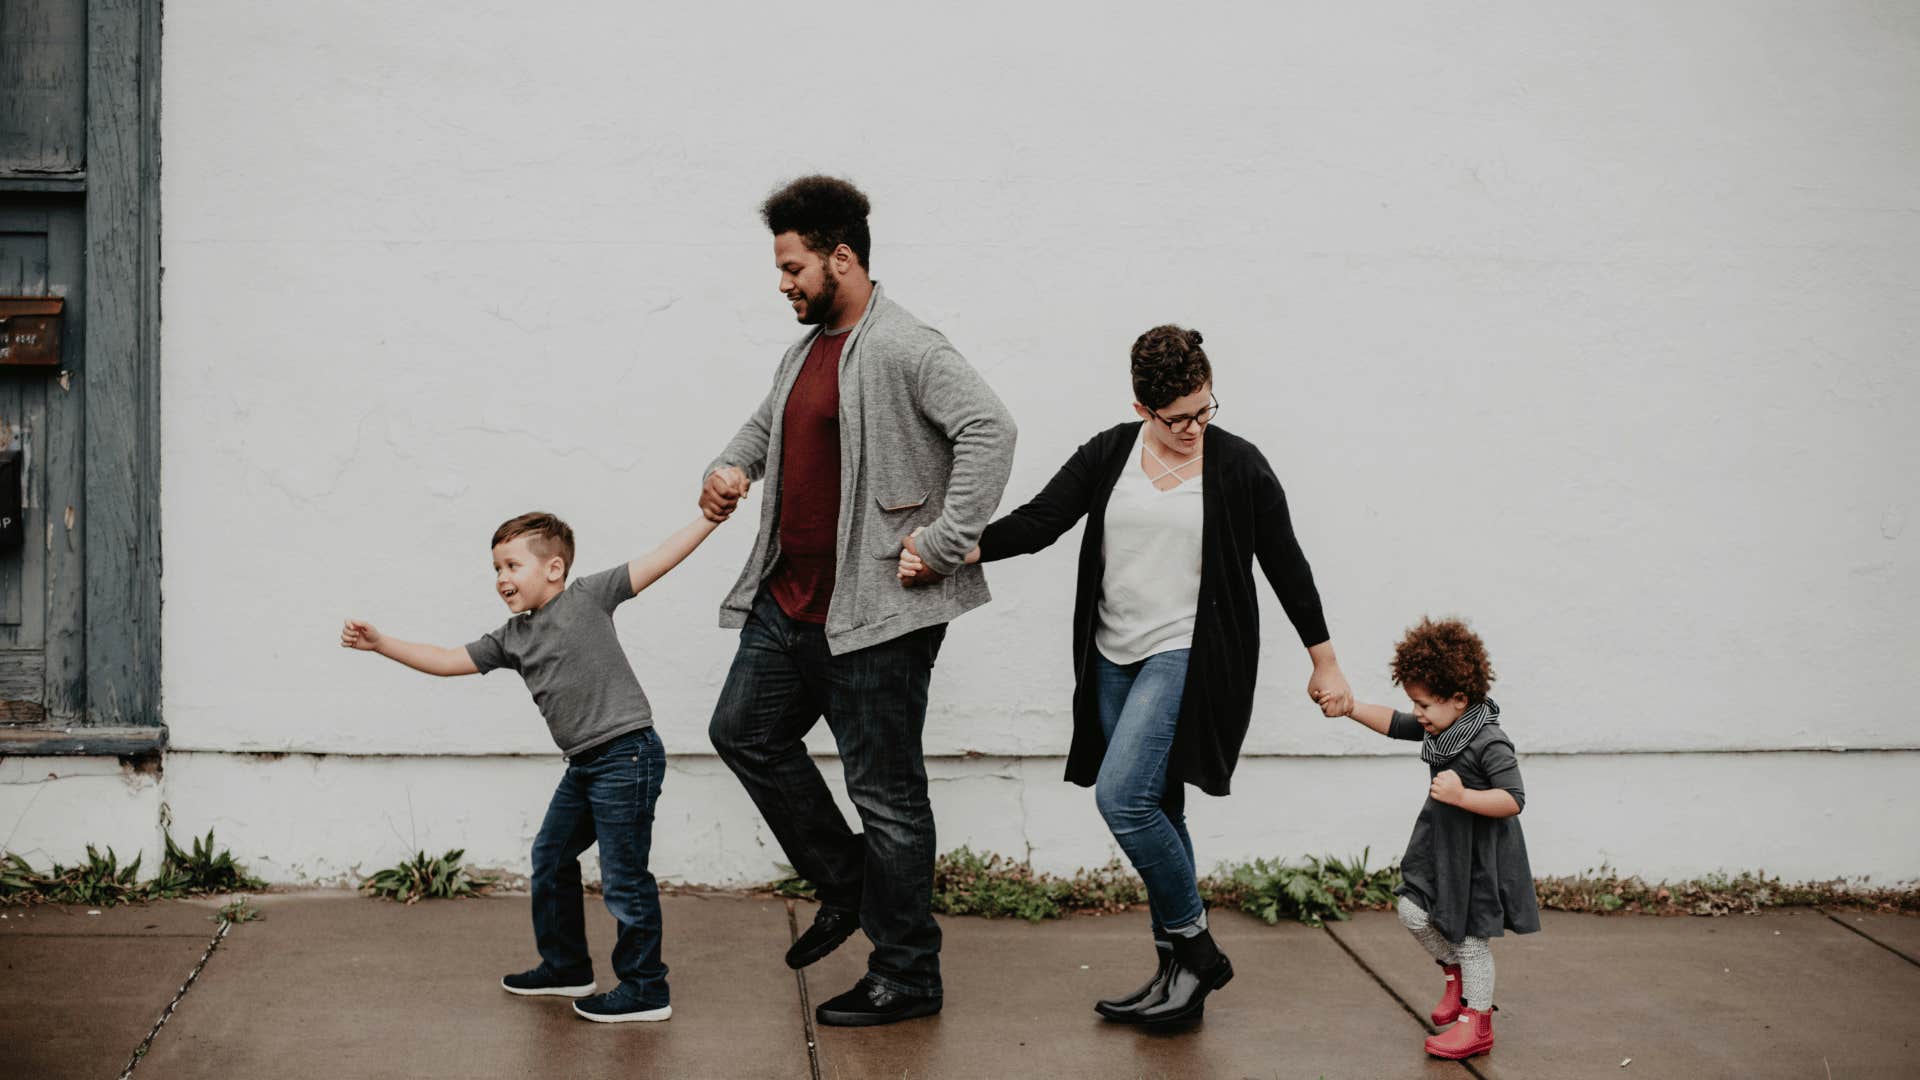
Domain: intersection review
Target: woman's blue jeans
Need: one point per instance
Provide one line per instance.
(1139, 712)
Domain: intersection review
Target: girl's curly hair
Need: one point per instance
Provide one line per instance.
(1444, 658)
(1168, 364)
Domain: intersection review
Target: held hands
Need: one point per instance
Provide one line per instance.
(913, 570)
(1328, 688)
(359, 635)
(1447, 788)
(722, 493)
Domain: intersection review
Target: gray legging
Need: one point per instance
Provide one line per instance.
(1472, 954)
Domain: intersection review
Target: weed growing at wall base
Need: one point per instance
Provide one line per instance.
(1310, 892)
(102, 881)
(1317, 889)
(1603, 891)
(424, 878)
(995, 886)
(203, 870)
(791, 885)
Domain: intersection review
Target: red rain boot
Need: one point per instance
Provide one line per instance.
(1472, 1035)
(1449, 1008)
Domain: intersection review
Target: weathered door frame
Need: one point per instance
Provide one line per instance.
(121, 531)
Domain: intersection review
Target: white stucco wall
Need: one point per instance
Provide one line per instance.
(1594, 323)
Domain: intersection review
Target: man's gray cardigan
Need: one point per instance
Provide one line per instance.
(923, 441)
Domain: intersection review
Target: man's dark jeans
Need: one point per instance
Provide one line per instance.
(875, 701)
(609, 798)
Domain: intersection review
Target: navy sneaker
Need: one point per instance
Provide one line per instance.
(541, 982)
(620, 1006)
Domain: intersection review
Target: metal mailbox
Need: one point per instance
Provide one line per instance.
(30, 330)
(13, 531)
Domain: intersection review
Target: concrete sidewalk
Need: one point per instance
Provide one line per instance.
(333, 985)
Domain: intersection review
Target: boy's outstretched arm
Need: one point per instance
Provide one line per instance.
(654, 565)
(432, 659)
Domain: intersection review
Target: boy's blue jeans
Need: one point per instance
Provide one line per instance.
(608, 799)
(782, 682)
(1139, 711)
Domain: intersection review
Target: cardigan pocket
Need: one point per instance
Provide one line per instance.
(900, 515)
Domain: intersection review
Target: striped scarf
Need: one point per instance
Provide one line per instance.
(1444, 747)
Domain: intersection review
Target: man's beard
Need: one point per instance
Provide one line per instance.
(819, 305)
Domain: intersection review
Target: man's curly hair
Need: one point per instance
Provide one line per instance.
(546, 534)
(1168, 364)
(1444, 658)
(825, 211)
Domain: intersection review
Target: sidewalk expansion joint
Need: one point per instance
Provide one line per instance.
(1390, 992)
(806, 1005)
(140, 1052)
(1897, 952)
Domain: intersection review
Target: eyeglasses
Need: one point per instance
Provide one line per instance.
(1180, 425)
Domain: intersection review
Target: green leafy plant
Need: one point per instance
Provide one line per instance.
(994, 886)
(240, 910)
(791, 885)
(205, 869)
(1311, 891)
(101, 880)
(1603, 891)
(424, 878)
(968, 884)
(18, 881)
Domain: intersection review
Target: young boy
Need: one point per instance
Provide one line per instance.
(561, 640)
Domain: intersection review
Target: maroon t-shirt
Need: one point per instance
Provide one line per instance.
(802, 581)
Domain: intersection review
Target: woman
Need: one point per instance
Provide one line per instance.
(1166, 634)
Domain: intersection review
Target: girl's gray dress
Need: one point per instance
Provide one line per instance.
(1469, 871)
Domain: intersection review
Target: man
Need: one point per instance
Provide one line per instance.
(875, 427)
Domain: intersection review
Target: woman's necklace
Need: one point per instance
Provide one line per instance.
(1168, 470)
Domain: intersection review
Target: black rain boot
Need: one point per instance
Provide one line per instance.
(1125, 1010)
(1199, 968)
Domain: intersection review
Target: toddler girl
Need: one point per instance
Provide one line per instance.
(1465, 873)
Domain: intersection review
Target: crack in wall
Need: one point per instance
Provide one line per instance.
(281, 484)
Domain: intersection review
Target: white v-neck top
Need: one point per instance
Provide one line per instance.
(1150, 588)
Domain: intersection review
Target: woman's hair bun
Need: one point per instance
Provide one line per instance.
(1194, 336)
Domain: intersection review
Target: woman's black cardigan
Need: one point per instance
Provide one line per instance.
(1244, 517)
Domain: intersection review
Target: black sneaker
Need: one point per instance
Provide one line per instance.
(831, 926)
(620, 1006)
(541, 982)
(869, 1004)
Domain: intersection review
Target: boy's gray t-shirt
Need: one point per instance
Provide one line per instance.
(572, 661)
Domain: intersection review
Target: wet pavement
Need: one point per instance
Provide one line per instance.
(333, 985)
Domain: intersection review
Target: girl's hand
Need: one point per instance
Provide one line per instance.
(1446, 788)
(1331, 705)
(359, 635)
